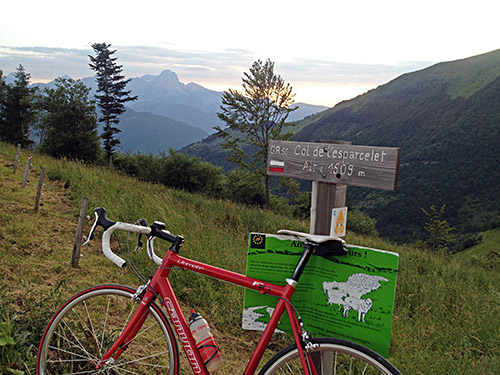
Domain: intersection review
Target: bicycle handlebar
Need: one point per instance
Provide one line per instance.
(155, 230)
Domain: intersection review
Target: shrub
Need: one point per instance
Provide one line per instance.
(361, 223)
(244, 187)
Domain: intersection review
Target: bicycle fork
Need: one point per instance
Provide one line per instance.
(130, 330)
(302, 340)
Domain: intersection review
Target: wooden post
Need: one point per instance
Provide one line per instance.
(26, 171)
(39, 190)
(17, 157)
(324, 198)
(79, 232)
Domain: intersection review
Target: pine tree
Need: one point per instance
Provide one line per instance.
(254, 117)
(18, 110)
(111, 86)
(438, 229)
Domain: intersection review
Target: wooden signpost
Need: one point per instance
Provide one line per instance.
(331, 167)
(336, 163)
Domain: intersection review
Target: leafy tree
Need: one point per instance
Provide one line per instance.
(111, 86)
(438, 229)
(68, 124)
(255, 116)
(18, 110)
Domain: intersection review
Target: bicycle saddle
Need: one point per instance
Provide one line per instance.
(323, 245)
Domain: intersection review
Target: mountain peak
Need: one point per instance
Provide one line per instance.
(167, 76)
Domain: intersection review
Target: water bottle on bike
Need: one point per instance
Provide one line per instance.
(205, 342)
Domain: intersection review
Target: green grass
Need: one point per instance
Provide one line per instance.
(490, 245)
(447, 314)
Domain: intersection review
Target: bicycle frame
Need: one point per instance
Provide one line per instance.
(160, 283)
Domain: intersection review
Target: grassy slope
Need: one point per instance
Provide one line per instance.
(447, 317)
(489, 244)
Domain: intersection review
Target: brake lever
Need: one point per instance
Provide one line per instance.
(144, 223)
(92, 230)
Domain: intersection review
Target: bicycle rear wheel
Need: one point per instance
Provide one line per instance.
(334, 356)
(83, 329)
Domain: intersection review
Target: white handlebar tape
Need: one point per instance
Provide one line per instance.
(106, 236)
(151, 252)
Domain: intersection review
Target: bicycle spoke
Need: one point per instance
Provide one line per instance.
(124, 370)
(130, 313)
(143, 332)
(92, 330)
(115, 368)
(67, 352)
(91, 323)
(104, 328)
(80, 346)
(364, 370)
(143, 358)
(79, 372)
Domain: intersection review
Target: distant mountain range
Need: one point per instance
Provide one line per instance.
(169, 113)
(446, 119)
(149, 133)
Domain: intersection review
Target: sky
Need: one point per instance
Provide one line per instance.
(328, 51)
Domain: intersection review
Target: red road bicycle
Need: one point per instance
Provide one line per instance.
(114, 329)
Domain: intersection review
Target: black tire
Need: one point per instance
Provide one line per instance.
(82, 330)
(334, 356)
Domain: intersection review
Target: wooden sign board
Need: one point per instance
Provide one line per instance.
(365, 166)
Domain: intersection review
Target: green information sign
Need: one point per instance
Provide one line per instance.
(350, 297)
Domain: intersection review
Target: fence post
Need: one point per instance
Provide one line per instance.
(79, 232)
(17, 157)
(26, 170)
(39, 190)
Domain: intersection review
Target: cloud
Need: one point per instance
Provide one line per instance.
(318, 71)
(44, 63)
(221, 69)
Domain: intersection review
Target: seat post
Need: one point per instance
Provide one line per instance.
(308, 250)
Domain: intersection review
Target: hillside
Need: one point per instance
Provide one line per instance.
(446, 119)
(149, 133)
(489, 246)
(447, 315)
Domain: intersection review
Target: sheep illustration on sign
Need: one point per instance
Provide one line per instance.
(349, 293)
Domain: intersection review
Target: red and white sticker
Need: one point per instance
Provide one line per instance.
(276, 166)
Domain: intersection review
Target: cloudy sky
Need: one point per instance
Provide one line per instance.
(327, 50)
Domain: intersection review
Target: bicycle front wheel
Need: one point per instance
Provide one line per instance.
(85, 327)
(331, 356)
